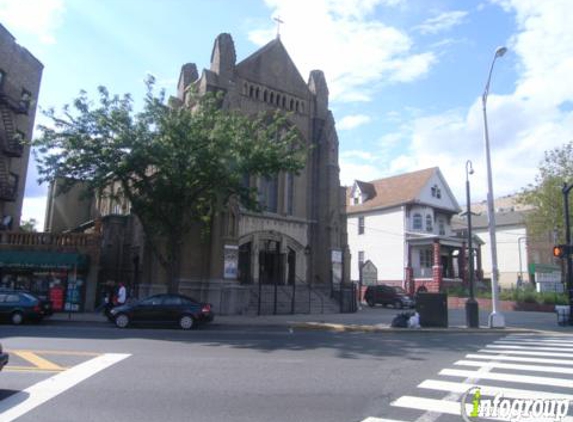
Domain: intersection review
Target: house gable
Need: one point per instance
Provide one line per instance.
(437, 193)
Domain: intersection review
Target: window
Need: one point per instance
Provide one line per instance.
(290, 194)
(361, 257)
(442, 227)
(426, 258)
(436, 192)
(2, 78)
(269, 193)
(417, 222)
(25, 100)
(360, 225)
(429, 223)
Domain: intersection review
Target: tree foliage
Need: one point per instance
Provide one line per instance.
(29, 225)
(175, 166)
(546, 196)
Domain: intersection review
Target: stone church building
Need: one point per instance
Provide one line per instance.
(294, 253)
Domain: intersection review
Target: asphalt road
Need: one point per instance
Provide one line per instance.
(268, 374)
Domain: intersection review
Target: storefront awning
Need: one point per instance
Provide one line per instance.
(44, 260)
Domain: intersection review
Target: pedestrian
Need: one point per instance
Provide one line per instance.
(121, 294)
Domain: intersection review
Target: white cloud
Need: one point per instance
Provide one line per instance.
(359, 154)
(40, 18)
(523, 125)
(352, 121)
(442, 22)
(349, 172)
(341, 38)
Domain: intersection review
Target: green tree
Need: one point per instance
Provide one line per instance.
(545, 195)
(176, 166)
(29, 225)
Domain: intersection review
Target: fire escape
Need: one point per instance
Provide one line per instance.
(11, 143)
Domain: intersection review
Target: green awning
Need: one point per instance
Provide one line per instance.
(44, 260)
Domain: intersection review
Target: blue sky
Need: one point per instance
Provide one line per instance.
(405, 76)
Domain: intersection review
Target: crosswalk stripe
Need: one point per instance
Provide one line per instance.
(534, 344)
(490, 390)
(553, 339)
(509, 346)
(538, 340)
(521, 359)
(525, 379)
(373, 419)
(527, 353)
(534, 368)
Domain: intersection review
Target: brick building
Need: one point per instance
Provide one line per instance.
(295, 250)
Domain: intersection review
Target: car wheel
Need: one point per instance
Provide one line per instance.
(122, 320)
(398, 304)
(17, 318)
(370, 303)
(186, 322)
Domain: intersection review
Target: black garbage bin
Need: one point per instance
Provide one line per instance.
(433, 309)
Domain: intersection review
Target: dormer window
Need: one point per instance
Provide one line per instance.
(436, 192)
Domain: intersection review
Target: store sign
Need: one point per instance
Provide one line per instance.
(369, 274)
(231, 262)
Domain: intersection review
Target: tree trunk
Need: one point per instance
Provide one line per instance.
(174, 264)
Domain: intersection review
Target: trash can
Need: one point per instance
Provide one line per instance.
(562, 312)
(433, 309)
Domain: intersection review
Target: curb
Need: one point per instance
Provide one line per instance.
(386, 329)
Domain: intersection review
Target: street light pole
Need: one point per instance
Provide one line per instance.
(496, 319)
(472, 306)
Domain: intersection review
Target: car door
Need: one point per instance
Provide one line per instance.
(172, 308)
(148, 310)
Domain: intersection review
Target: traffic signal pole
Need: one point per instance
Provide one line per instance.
(566, 189)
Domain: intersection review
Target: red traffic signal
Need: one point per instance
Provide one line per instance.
(561, 251)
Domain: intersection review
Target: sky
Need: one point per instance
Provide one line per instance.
(405, 77)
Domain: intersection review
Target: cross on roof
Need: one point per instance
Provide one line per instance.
(278, 21)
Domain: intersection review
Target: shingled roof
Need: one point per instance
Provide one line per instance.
(391, 191)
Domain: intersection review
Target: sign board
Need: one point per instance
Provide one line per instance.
(230, 270)
(369, 274)
(336, 258)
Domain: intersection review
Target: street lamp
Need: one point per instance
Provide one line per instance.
(472, 307)
(496, 319)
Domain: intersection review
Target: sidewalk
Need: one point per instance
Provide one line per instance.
(368, 319)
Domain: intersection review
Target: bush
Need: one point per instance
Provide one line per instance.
(457, 291)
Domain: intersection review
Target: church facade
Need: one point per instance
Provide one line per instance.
(297, 244)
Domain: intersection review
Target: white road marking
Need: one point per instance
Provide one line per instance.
(526, 353)
(22, 402)
(525, 379)
(521, 359)
(536, 342)
(373, 419)
(490, 390)
(549, 349)
(534, 368)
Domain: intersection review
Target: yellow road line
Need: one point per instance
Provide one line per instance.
(56, 352)
(31, 369)
(38, 361)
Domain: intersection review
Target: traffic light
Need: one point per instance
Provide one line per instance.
(561, 251)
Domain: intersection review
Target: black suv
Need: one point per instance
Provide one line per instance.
(388, 295)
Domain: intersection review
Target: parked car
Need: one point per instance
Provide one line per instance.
(3, 358)
(18, 307)
(45, 303)
(388, 295)
(163, 309)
